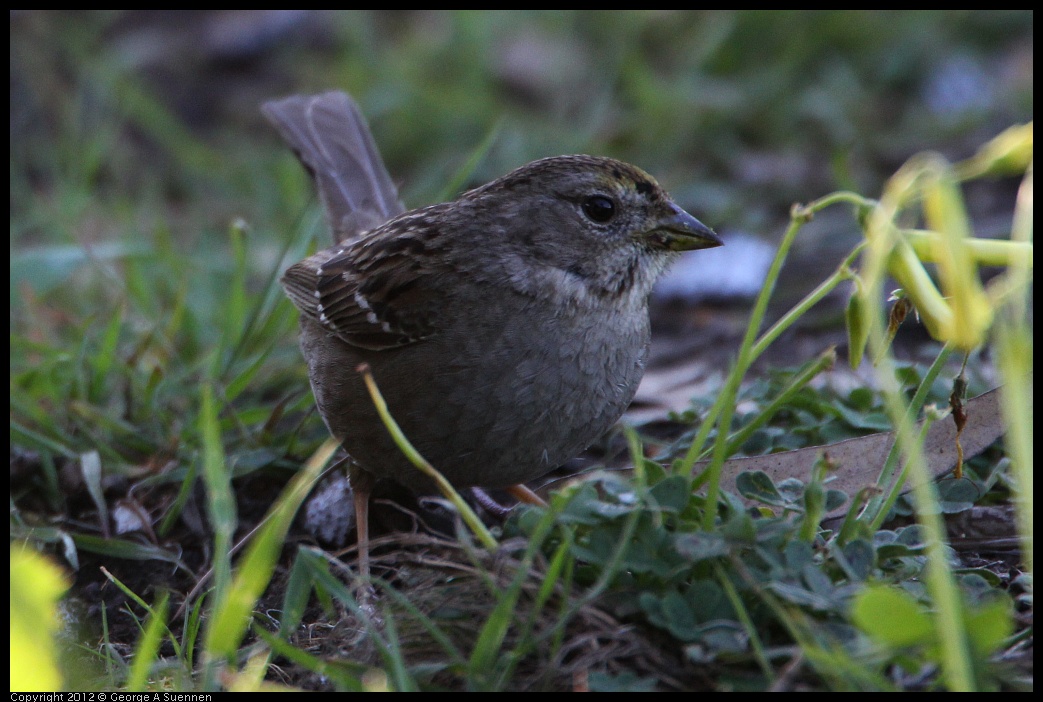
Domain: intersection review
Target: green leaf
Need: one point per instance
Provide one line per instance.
(758, 485)
(624, 682)
(798, 554)
(700, 546)
(708, 601)
(145, 655)
(892, 617)
(671, 494)
(121, 548)
(991, 624)
(680, 620)
(36, 586)
(835, 499)
(857, 327)
(857, 559)
(800, 596)
(231, 614)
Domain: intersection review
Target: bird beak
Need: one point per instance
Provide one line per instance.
(680, 231)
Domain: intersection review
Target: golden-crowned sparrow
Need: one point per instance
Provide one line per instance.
(507, 329)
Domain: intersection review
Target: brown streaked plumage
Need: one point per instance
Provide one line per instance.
(507, 329)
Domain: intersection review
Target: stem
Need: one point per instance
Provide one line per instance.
(397, 435)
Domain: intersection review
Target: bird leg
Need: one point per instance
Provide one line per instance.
(362, 488)
(524, 494)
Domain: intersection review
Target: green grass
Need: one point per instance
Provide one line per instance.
(155, 378)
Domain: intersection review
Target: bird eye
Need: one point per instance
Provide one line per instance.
(599, 208)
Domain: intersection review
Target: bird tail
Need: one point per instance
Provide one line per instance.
(331, 138)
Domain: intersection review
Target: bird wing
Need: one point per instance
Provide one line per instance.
(378, 292)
